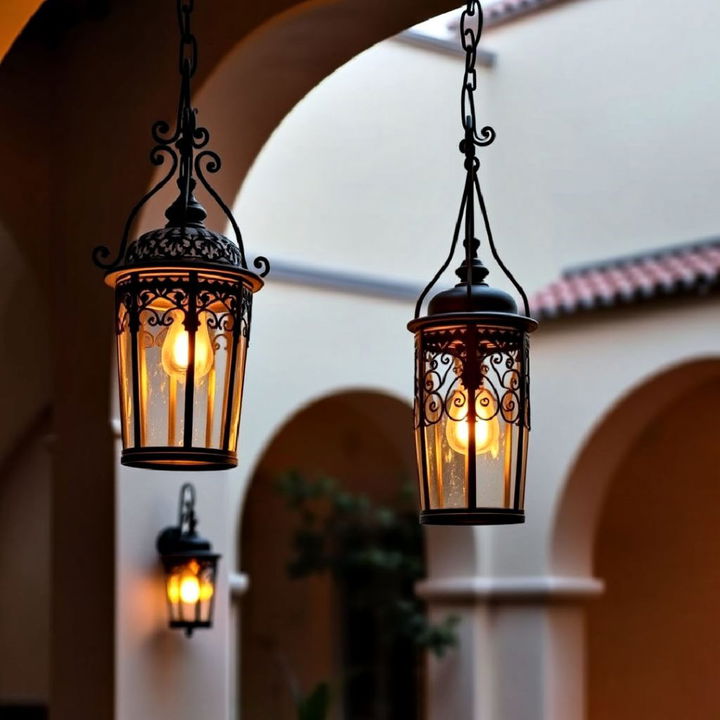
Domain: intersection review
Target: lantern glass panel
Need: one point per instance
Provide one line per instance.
(182, 343)
(190, 589)
(471, 386)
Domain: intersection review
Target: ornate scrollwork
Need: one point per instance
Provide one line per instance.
(443, 385)
(184, 244)
(225, 305)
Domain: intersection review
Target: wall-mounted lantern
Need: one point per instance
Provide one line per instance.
(190, 569)
(183, 298)
(472, 410)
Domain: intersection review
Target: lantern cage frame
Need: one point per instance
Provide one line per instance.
(182, 549)
(182, 274)
(472, 376)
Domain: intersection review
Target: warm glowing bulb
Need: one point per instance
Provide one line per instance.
(189, 589)
(176, 350)
(487, 432)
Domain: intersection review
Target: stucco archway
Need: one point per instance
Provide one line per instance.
(597, 462)
(652, 638)
(300, 632)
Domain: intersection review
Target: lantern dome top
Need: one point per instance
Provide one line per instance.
(191, 244)
(480, 297)
(174, 541)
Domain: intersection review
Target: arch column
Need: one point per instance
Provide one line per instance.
(521, 652)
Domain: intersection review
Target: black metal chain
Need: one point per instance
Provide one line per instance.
(186, 125)
(471, 26)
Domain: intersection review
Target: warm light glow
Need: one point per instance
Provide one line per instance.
(487, 432)
(189, 590)
(187, 587)
(176, 349)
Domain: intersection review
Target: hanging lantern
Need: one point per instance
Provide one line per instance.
(183, 299)
(190, 569)
(472, 411)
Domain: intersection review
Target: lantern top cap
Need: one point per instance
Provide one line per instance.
(478, 297)
(183, 539)
(173, 541)
(191, 244)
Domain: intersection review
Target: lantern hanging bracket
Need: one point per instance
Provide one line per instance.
(471, 272)
(186, 150)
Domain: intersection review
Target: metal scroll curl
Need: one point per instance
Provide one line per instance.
(443, 393)
(157, 158)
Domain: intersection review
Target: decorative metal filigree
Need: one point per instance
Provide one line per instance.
(443, 386)
(184, 238)
(225, 305)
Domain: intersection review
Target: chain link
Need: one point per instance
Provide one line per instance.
(188, 42)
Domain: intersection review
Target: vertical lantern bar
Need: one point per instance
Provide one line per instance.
(472, 385)
(210, 409)
(523, 424)
(420, 432)
(191, 326)
(134, 331)
(229, 405)
(172, 409)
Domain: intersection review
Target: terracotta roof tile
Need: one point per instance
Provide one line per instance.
(684, 270)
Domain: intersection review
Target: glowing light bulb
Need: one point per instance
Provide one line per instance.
(487, 432)
(189, 589)
(176, 349)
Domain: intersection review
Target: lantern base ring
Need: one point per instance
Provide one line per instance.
(178, 458)
(477, 516)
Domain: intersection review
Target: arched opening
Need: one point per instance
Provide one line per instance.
(638, 513)
(653, 637)
(306, 631)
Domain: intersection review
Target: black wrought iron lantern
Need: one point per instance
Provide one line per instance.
(190, 569)
(472, 407)
(183, 299)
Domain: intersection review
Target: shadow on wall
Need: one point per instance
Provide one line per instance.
(292, 627)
